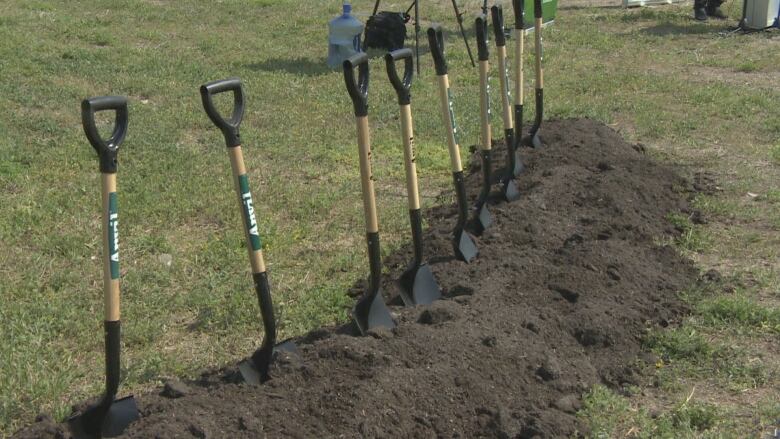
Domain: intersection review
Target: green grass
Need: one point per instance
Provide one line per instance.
(691, 237)
(679, 87)
(606, 412)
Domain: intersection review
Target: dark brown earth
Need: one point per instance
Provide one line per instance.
(568, 280)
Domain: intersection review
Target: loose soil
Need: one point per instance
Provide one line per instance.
(567, 281)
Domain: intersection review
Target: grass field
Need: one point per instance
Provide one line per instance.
(696, 96)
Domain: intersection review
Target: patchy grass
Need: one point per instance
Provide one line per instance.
(691, 237)
(606, 413)
(697, 97)
(741, 312)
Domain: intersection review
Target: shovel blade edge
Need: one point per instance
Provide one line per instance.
(425, 289)
(465, 249)
(371, 312)
(97, 422)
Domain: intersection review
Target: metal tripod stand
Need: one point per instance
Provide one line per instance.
(415, 5)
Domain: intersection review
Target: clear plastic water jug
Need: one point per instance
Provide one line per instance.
(343, 37)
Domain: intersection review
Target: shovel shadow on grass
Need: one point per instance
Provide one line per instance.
(297, 66)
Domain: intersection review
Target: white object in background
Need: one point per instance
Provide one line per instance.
(633, 3)
(760, 14)
(343, 37)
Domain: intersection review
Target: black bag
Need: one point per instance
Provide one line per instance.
(386, 30)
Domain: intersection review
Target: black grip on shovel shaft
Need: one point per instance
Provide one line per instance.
(497, 14)
(487, 175)
(403, 85)
(113, 347)
(374, 260)
(263, 291)
(106, 148)
(415, 218)
(537, 8)
(518, 124)
(229, 126)
(483, 54)
(519, 8)
(462, 199)
(358, 89)
(436, 43)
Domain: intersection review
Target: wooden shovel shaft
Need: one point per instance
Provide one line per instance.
(484, 106)
(407, 132)
(366, 177)
(503, 80)
(539, 53)
(448, 117)
(247, 216)
(110, 248)
(519, 50)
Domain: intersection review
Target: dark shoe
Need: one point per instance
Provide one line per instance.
(716, 13)
(700, 14)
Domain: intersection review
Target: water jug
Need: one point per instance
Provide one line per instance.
(343, 37)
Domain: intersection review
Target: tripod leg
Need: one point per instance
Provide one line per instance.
(417, 34)
(459, 17)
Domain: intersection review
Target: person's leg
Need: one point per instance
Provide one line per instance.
(713, 9)
(699, 9)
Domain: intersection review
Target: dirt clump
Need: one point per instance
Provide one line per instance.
(567, 281)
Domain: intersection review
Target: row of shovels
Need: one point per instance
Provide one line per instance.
(417, 283)
(109, 417)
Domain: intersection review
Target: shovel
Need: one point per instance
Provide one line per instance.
(519, 8)
(370, 310)
(509, 185)
(418, 286)
(533, 138)
(464, 246)
(483, 219)
(109, 417)
(255, 369)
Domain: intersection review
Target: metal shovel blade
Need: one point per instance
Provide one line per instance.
(465, 249)
(533, 140)
(518, 165)
(511, 191)
(104, 420)
(483, 220)
(254, 370)
(419, 286)
(371, 312)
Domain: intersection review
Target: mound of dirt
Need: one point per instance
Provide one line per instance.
(568, 280)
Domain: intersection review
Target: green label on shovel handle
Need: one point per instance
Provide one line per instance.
(452, 115)
(113, 236)
(249, 213)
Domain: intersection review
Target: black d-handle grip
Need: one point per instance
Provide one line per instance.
(358, 90)
(436, 43)
(229, 127)
(497, 14)
(537, 8)
(106, 148)
(519, 8)
(482, 44)
(401, 86)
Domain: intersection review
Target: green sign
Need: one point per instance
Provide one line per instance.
(549, 8)
(113, 236)
(249, 213)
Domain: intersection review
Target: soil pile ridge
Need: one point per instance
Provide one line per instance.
(568, 280)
